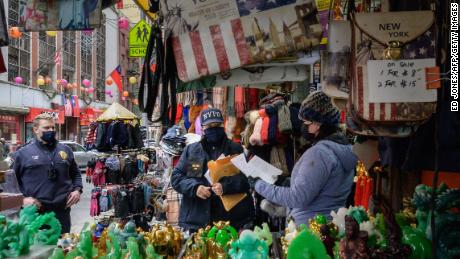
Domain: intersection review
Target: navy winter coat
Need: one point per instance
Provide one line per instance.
(195, 212)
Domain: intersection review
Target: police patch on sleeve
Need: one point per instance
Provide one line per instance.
(63, 155)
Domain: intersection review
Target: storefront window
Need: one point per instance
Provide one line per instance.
(9, 129)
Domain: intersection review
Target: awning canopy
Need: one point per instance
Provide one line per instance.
(117, 112)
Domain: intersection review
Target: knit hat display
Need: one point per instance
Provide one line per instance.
(318, 108)
(256, 138)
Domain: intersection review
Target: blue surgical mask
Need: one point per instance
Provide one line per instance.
(49, 137)
(214, 135)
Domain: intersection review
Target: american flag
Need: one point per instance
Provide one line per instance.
(220, 48)
(57, 58)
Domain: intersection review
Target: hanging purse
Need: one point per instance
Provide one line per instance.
(390, 52)
(163, 79)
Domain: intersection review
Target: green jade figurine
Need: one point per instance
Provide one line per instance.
(248, 246)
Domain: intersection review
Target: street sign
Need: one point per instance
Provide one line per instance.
(139, 39)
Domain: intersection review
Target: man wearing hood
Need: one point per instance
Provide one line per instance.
(201, 204)
(322, 178)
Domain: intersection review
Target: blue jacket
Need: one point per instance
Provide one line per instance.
(32, 165)
(196, 213)
(321, 182)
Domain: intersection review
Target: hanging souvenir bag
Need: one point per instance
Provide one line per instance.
(210, 37)
(390, 53)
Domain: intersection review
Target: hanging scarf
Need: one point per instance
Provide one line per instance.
(231, 101)
(253, 98)
(239, 101)
(265, 126)
(186, 117)
(218, 95)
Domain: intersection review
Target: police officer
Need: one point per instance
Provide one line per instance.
(201, 204)
(47, 173)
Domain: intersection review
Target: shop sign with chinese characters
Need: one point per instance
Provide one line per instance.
(397, 81)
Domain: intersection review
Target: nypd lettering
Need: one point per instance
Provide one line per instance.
(212, 114)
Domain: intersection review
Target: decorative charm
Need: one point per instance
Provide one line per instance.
(219, 238)
(420, 245)
(354, 245)
(108, 81)
(248, 246)
(446, 219)
(91, 90)
(264, 234)
(125, 94)
(306, 246)
(393, 51)
(48, 80)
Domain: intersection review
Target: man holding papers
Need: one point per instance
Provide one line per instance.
(201, 204)
(322, 178)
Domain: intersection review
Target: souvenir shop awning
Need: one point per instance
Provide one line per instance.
(116, 112)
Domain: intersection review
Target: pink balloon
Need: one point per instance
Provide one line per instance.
(109, 92)
(86, 82)
(91, 89)
(64, 82)
(18, 80)
(123, 23)
(123, 98)
(86, 90)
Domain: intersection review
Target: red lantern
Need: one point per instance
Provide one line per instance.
(125, 94)
(15, 33)
(123, 23)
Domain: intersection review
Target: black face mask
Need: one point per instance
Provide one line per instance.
(214, 135)
(49, 137)
(307, 135)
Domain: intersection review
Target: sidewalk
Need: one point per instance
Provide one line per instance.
(80, 212)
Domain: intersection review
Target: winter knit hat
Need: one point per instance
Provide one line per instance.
(318, 108)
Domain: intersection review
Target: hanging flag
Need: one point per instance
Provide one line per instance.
(75, 106)
(116, 76)
(57, 58)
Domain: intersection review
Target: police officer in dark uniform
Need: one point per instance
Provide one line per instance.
(47, 173)
(201, 204)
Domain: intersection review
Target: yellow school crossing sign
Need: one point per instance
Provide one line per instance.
(139, 39)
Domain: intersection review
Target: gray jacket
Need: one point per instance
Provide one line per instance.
(321, 182)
